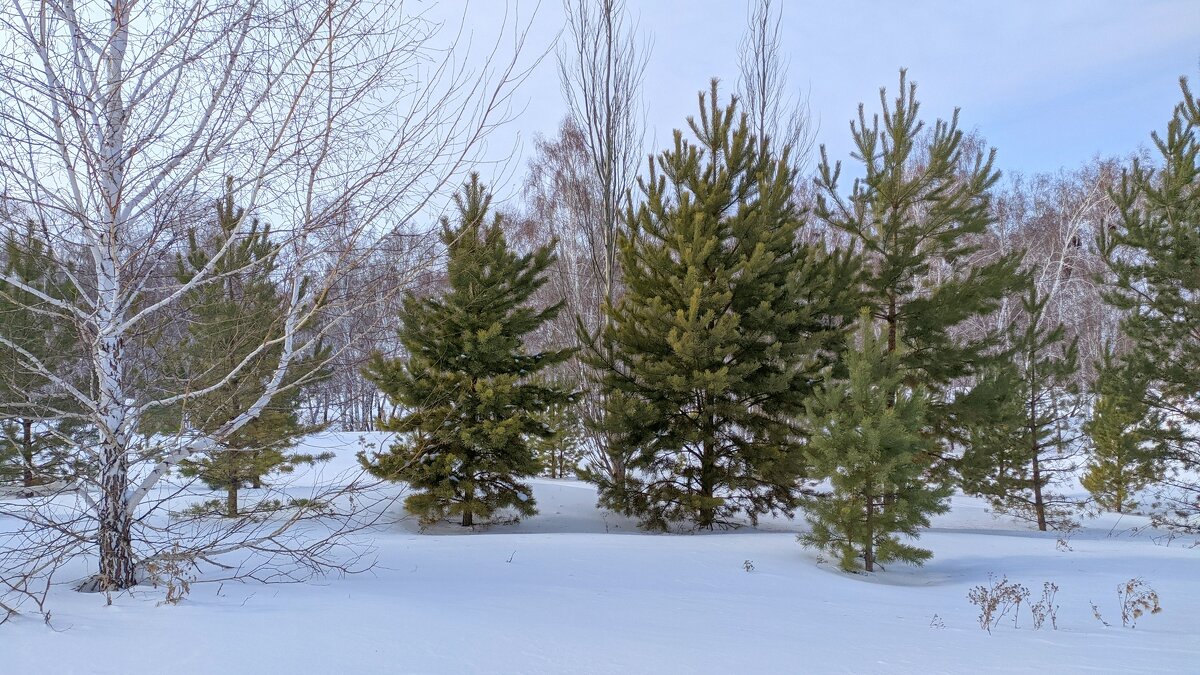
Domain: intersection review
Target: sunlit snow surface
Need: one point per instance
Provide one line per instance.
(577, 590)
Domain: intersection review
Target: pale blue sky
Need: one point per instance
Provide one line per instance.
(1049, 84)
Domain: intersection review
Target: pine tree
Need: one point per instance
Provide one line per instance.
(1122, 461)
(1027, 445)
(868, 436)
(1153, 253)
(917, 216)
(561, 453)
(473, 399)
(726, 319)
(38, 419)
(236, 320)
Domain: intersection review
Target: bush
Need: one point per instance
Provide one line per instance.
(996, 600)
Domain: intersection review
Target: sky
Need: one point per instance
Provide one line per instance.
(1049, 83)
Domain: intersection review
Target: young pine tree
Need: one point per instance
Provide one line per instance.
(726, 320)
(868, 437)
(1153, 253)
(915, 216)
(561, 454)
(1122, 460)
(38, 417)
(236, 320)
(1017, 454)
(475, 404)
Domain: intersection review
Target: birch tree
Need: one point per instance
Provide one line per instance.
(601, 62)
(120, 120)
(1055, 218)
(776, 115)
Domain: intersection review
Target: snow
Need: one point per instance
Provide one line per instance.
(575, 589)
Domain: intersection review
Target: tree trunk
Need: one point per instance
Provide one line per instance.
(116, 545)
(231, 499)
(27, 477)
(112, 410)
(893, 330)
(112, 420)
(1039, 505)
(869, 538)
(708, 514)
(620, 476)
(893, 341)
(887, 498)
(116, 517)
(468, 517)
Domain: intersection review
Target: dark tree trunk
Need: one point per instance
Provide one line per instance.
(231, 500)
(27, 477)
(1039, 505)
(892, 319)
(708, 514)
(116, 521)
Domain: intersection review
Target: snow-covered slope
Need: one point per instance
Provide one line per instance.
(575, 590)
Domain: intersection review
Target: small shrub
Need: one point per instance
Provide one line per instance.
(171, 573)
(1136, 600)
(1045, 608)
(996, 600)
(1096, 613)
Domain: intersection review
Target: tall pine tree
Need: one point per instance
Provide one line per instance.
(233, 326)
(917, 216)
(726, 320)
(1015, 457)
(475, 406)
(868, 438)
(1153, 253)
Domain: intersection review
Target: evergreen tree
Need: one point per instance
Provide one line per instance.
(726, 320)
(1122, 461)
(868, 436)
(233, 321)
(561, 453)
(916, 216)
(1153, 253)
(1027, 444)
(475, 405)
(38, 418)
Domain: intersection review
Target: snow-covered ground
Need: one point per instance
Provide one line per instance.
(578, 590)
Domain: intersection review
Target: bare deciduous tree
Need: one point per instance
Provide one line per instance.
(119, 122)
(775, 113)
(601, 62)
(1053, 218)
(600, 67)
